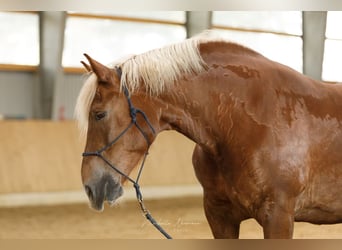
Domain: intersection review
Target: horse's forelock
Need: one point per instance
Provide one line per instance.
(83, 103)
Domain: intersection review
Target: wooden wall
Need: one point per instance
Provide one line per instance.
(45, 156)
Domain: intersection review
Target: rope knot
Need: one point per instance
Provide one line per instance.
(133, 112)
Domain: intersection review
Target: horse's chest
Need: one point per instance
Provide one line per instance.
(248, 181)
(224, 182)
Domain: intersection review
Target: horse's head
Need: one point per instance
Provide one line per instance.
(115, 142)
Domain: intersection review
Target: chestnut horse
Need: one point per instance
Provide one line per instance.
(268, 139)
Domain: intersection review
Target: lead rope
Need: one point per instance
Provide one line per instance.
(147, 214)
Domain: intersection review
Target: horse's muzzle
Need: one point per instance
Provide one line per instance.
(106, 189)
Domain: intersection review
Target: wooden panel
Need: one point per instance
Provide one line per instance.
(169, 161)
(124, 19)
(38, 156)
(16, 67)
(45, 156)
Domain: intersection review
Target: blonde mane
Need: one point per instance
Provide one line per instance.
(157, 69)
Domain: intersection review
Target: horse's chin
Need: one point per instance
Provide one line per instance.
(114, 203)
(113, 196)
(99, 207)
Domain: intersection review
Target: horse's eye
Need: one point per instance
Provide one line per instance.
(100, 115)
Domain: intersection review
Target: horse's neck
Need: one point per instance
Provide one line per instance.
(186, 111)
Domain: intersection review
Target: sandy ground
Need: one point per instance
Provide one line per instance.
(181, 218)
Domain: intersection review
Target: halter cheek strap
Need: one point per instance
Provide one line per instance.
(99, 153)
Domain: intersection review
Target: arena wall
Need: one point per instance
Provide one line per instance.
(39, 156)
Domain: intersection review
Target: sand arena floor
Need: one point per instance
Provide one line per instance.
(182, 218)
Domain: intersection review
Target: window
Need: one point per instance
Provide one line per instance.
(19, 42)
(332, 61)
(275, 34)
(110, 36)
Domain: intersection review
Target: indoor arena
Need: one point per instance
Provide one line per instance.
(45, 181)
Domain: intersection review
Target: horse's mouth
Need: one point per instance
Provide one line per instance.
(114, 196)
(108, 191)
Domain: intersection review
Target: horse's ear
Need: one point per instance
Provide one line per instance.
(87, 67)
(101, 71)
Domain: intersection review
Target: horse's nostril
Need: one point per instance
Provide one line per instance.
(89, 192)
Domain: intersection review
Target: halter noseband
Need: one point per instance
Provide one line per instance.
(133, 113)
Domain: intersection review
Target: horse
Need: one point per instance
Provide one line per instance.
(268, 138)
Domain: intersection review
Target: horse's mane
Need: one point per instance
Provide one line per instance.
(157, 69)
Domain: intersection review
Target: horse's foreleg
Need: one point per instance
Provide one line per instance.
(277, 219)
(220, 215)
(223, 221)
(279, 225)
